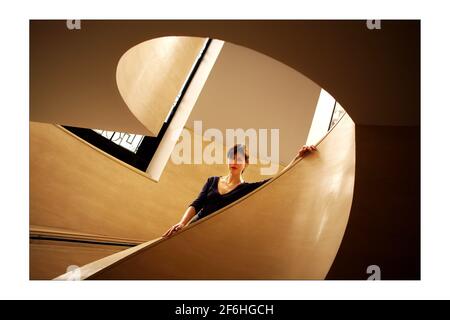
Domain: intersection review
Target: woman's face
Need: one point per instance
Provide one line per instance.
(236, 165)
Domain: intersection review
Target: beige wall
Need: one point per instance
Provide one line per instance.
(76, 188)
(151, 74)
(366, 71)
(49, 259)
(250, 90)
(92, 95)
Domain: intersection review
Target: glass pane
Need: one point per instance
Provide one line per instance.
(337, 114)
(128, 141)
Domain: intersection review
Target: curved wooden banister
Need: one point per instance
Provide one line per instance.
(289, 228)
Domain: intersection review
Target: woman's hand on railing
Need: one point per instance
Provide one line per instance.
(305, 150)
(175, 228)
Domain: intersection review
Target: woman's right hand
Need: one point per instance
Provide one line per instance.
(175, 228)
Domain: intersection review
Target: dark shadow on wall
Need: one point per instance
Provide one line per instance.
(384, 223)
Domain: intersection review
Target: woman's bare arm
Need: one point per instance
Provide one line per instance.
(305, 150)
(187, 216)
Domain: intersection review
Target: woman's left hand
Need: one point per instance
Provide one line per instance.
(305, 150)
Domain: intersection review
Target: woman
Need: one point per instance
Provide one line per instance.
(218, 192)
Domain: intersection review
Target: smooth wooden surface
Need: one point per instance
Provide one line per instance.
(61, 234)
(78, 192)
(93, 267)
(48, 258)
(290, 228)
(79, 189)
(265, 93)
(151, 74)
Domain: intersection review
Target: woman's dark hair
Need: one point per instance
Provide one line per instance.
(238, 149)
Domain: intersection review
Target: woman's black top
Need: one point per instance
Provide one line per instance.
(210, 200)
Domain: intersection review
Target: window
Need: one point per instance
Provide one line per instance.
(129, 141)
(328, 112)
(338, 112)
(132, 149)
